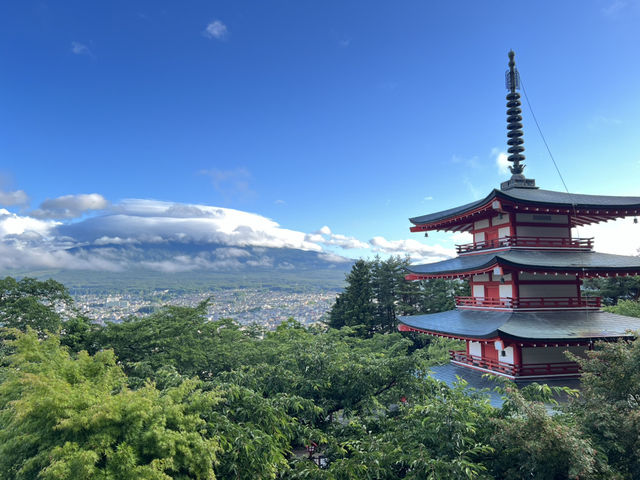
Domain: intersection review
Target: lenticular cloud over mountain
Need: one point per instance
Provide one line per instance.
(172, 237)
(151, 221)
(123, 234)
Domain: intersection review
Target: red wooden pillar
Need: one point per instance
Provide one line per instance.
(515, 293)
(517, 356)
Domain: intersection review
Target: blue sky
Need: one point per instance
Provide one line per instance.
(350, 115)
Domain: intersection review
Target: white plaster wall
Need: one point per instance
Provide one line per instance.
(548, 290)
(541, 217)
(508, 355)
(555, 232)
(549, 354)
(478, 237)
(504, 232)
(475, 348)
(481, 278)
(478, 290)
(481, 224)
(506, 291)
(499, 221)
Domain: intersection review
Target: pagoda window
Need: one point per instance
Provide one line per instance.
(478, 290)
(552, 277)
(500, 219)
(483, 277)
(504, 232)
(475, 348)
(537, 218)
(543, 231)
(550, 354)
(481, 224)
(478, 237)
(548, 290)
(506, 291)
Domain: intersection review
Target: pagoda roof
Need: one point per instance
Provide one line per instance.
(585, 208)
(527, 326)
(529, 260)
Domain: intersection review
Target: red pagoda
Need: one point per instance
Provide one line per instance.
(525, 270)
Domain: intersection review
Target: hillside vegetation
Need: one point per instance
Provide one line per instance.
(173, 396)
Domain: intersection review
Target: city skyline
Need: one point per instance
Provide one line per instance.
(316, 126)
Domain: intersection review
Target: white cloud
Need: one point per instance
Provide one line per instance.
(621, 237)
(223, 238)
(80, 49)
(70, 206)
(461, 238)
(156, 221)
(326, 237)
(417, 251)
(12, 224)
(16, 256)
(10, 199)
(216, 29)
(345, 242)
(332, 257)
(502, 162)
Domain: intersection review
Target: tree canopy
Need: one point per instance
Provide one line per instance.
(175, 396)
(376, 292)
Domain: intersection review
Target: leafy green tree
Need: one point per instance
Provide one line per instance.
(376, 292)
(41, 305)
(608, 409)
(439, 433)
(74, 417)
(178, 337)
(629, 308)
(78, 333)
(614, 289)
(355, 306)
(530, 443)
(65, 418)
(336, 370)
(387, 280)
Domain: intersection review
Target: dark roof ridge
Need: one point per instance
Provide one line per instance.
(536, 197)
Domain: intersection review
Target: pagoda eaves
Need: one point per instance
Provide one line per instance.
(582, 209)
(582, 264)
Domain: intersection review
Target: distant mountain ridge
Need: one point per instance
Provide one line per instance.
(193, 266)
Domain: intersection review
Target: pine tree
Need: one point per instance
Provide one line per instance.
(354, 306)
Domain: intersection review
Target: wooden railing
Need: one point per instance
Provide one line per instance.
(530, 302)
(531, 242)
(496, 302)
(525, 370)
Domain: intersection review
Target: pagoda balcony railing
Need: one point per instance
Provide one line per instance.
(531, 303)
(525, 370)
(528, 242)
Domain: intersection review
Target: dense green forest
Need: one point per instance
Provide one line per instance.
(174, 396)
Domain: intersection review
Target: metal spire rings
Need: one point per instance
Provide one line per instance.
(514, 118)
